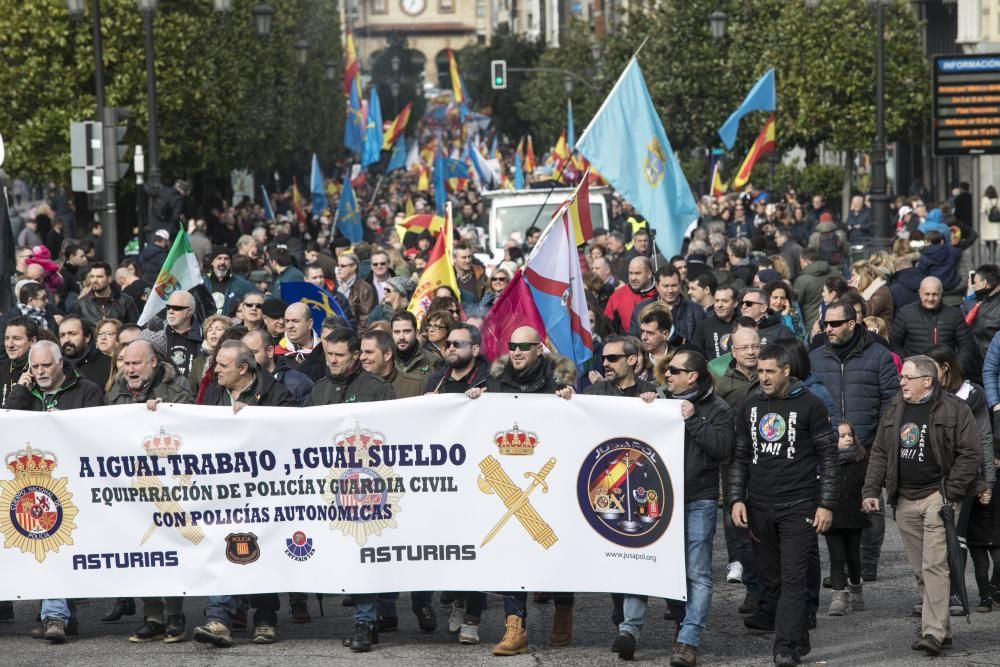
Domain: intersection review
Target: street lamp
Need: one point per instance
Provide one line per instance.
(223, 6)
(394, 63)
(262, 17)
(330, 70)
(75, 8)
(717, 22)
(148, 9)
(301, 50)
(568, 84)
(812, 4)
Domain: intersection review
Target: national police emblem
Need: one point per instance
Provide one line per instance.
(36, 515)
(655, 164)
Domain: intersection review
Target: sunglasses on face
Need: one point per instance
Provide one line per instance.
(177, 308)
(499, 279)
(379, 264)
(253, 304)
(826, 324)
(674, 370)
(613, 358)
(750, 304)
(523, 347)
(459, 344)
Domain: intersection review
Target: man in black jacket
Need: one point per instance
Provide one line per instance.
(918, 326)
(621, 354)
(50, 384)
(298, 384)
(708, 441)
(240, 384)
(755, 304)
(347, 382)
(528, 371)
(105, 299)
(714, 333)
(77, 340)
(20, 334)
(464, 367)
(684, 313)
(782, 437)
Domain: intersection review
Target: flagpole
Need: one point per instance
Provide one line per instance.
(552, 187)
(378, 184)
(636, 54)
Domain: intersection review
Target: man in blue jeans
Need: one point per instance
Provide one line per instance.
(708, 441)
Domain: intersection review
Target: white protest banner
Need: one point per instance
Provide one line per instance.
(433, 493)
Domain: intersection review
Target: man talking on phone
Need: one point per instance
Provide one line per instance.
(782, 437)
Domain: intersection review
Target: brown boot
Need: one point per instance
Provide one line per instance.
(515, 640)
(562, 626)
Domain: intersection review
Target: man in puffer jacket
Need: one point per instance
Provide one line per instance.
(782, 437)
(861, 377)
(928, 322)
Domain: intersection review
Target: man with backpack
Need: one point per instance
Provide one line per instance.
(830, 241)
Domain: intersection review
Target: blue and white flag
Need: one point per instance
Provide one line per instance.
(268, 211)
(371, 152)
(348, 216)
(762, 97)
(398, 158)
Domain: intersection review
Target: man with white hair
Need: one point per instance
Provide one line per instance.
(184, 336)
(51, 384)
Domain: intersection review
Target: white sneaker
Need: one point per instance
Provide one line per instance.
(735, 573)
(456, 618)
(469, 634)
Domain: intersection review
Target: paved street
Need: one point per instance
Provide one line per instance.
(881, 635)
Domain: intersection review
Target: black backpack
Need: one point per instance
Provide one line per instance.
(829, 247)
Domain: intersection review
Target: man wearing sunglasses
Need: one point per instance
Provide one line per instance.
(620, 356)
(927, 445)
(708, 441)
(783, 436)
(861, 377)
(755, 304)
(465, 368)
(183, 332)
(527, 371)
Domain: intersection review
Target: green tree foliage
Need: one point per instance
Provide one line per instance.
(225, 98)
(543, 97)
(474, 63)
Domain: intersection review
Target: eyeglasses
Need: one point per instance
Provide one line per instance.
(459, 344)
(107, 334)
(674, 370)
(827, 324)
(745, 348)
(613, 358)
(177, 308)
(498, 279)
(523, 347)
(253, 304)
(911, 378)
(436, 327)
(748, 304)
(380, 264)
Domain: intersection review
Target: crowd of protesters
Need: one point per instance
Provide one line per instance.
(818, 380)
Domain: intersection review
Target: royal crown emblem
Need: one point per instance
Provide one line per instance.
(516, 442)
(37, 515)
(359, 438)
(162, 443)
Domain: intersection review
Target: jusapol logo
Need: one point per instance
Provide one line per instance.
(299, 547)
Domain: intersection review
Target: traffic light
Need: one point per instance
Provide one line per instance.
(115, 149)
(498, 69)
(86, 156)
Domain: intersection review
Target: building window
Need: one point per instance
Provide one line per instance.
(446, 6)
(481, 8)
(380, 6)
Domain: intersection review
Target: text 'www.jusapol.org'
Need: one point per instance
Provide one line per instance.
(630, 556)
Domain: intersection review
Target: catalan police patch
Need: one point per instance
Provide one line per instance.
(242, 548)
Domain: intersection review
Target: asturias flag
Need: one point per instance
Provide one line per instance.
(762, 97)
(371, 151)
(354, 124)
(398, 158)
(320, 302)
(348, 216)
(626, 142)
(317, 189)
(180, 272)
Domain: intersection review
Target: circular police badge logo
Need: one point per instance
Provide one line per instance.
(909, 434)
(625, 492)
(725, 342)
(772, 427)
(36, 513)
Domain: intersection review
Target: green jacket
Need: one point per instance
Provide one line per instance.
(809, 287)
(733, 387)
(423, 363)
(357, 387)
(166, 385)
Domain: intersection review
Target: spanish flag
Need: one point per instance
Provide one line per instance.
(397, 127)
(300, 214)
(529, 158)
(423, 180)
(578, 208)
(457, 88)
(718, 187)
(765, 143)
(440, 271)
(561, 149)
(418, 223)
(351, 66)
